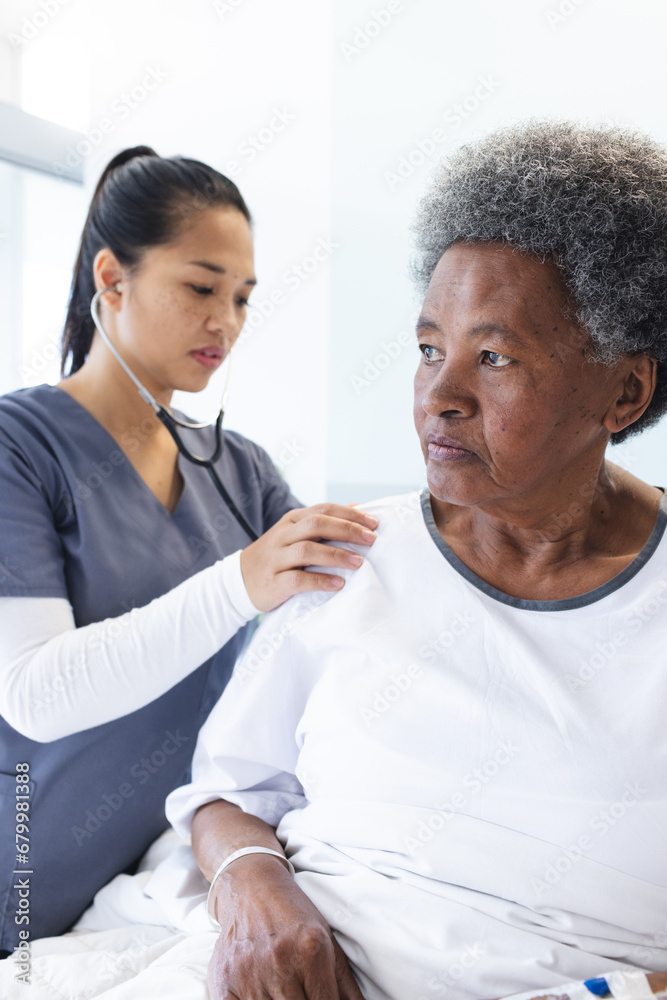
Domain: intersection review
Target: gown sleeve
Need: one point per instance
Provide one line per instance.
(247, 750)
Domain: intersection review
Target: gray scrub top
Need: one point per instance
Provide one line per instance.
(77, 521)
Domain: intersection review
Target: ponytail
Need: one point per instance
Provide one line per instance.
(140, 201)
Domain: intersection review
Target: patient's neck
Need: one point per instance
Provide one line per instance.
(564, 546)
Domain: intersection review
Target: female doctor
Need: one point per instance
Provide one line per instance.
(126, 583)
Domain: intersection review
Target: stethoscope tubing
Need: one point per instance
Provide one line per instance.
(208, 464)
(171, 422)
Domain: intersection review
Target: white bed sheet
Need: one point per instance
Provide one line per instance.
(144, 936)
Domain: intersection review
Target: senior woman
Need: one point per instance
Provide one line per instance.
(465, 751)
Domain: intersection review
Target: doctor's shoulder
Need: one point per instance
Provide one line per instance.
(34, 410)
(37, 435)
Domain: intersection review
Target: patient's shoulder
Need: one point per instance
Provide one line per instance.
(397, 511)
(398, 517)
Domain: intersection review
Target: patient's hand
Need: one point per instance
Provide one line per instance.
(273, 941)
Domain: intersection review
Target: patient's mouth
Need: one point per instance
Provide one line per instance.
(443, 449)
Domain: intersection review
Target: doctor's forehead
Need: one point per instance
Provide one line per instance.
(218, 240)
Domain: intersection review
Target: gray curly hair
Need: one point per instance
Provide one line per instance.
(592, 199)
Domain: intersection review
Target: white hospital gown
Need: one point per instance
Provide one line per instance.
(472, 787)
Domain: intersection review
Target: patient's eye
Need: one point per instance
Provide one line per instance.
(496, 360)
(430, 353)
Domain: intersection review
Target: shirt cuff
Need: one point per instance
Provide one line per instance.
(180, 808)
(232, 581)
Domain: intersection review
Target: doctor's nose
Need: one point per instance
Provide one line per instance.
(226, 319)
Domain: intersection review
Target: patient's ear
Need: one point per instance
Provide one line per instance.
(637, 381)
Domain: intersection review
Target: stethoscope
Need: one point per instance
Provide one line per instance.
(171, 422)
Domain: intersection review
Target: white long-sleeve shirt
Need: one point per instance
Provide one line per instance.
(58, 679)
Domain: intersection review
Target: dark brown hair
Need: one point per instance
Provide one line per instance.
(141, 200)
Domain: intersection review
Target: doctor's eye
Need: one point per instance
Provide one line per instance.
(496, 360)
(202, 289)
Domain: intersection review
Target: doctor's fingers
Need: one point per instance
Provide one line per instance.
(273, 566)
(305, 552)
(329, 521)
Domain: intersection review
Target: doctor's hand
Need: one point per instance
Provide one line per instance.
(273, 940)
(273, 567)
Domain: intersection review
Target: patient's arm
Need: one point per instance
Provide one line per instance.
(273, 941)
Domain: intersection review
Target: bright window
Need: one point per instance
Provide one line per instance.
(41, 219)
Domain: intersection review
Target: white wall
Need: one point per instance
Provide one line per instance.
(8, 73)
(354, 111)
(10, 226)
